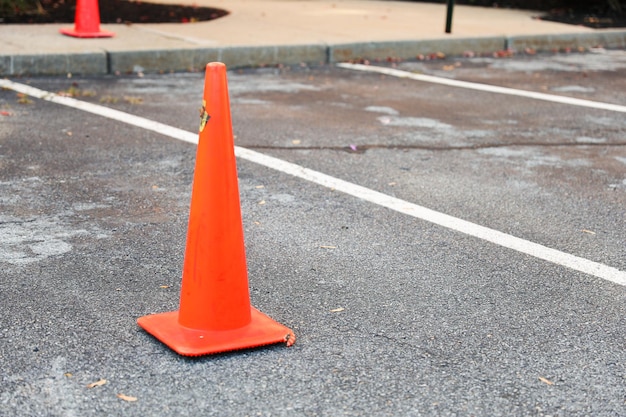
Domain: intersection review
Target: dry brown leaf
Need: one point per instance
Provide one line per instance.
(97, 383)
(127, 398)
(23, 99)
(133, 100)
(109, 99)
(68, 375)
(546, 381)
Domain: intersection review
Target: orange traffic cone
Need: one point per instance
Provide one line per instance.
(215, 314)
(87, 21)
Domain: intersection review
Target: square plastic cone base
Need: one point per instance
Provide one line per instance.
(261, 331)
(75, 34)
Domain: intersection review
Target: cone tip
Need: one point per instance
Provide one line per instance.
(216, 65)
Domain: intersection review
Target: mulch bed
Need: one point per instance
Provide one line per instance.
(119, 11)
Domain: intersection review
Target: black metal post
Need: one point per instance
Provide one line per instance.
(449, 16)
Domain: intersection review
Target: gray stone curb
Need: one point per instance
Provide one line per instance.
(93, 63)
(411, 49)
(194, 59)
(608, 39)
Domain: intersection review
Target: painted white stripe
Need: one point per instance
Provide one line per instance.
(485, 87)
(490, 235)
(107, 112)
(423, 213)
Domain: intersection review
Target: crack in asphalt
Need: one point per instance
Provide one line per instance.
(363, 148)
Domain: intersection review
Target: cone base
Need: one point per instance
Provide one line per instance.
(261, 331)
(76, 34)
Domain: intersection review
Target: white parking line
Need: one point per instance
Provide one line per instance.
(502, 239)
(485, 87)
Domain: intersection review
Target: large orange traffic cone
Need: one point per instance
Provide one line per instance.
(87, 21)
(215, 314)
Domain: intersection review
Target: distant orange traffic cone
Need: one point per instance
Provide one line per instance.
(215, 314)
(87, 21)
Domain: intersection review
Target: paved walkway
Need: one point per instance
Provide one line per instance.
(269, 32)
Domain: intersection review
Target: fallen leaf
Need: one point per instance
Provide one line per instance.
(504, 53)
(328, 247)
(546, 381)
(164, 286)
(127, 398)
(133, 100)
(290, 338)
(97, 383)
(69, 93)
(108, 100)
(23, 99)
(589, 231)
(68, 375)
(337, 310)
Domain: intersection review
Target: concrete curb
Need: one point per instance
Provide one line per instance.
(410, 49)
(194, 59)
(92, 63)
(609, 39)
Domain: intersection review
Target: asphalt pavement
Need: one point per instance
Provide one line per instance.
(274, 32)
(396, 312)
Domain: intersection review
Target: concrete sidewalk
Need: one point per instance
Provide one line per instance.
(270, 32)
